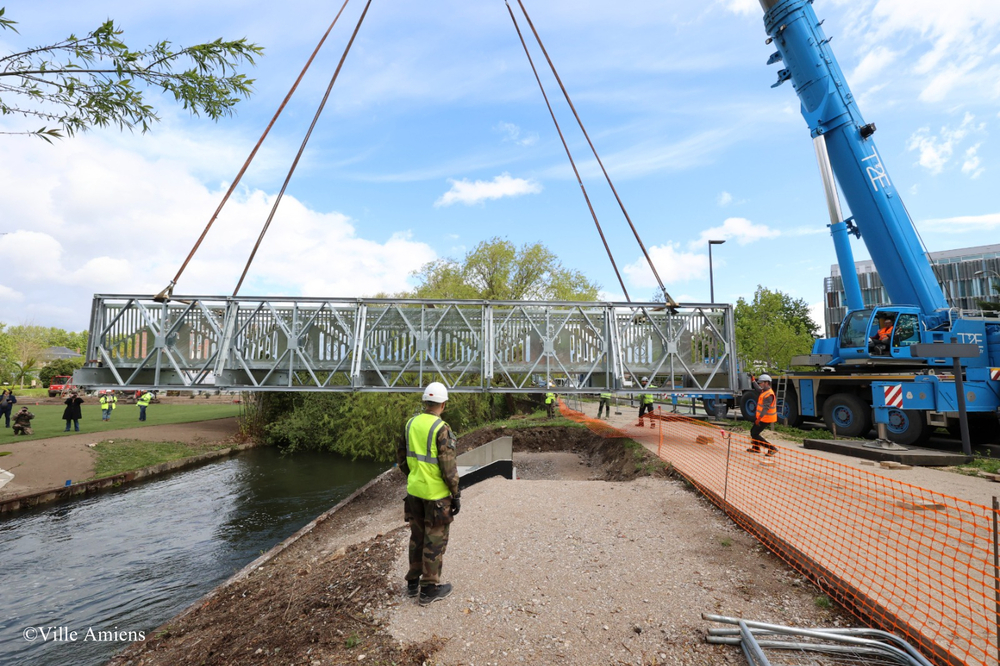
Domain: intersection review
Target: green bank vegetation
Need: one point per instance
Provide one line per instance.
(124, 455)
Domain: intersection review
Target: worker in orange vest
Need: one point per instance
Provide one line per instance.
(767, 413)
(883, 338)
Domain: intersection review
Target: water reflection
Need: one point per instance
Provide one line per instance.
(131, 559)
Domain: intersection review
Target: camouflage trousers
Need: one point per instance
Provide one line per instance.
(550, 409)
(23, 430)
(429, 522)
(604, 405)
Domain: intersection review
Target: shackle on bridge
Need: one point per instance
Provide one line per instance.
(317, 344)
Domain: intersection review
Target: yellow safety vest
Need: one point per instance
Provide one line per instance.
(424, 480)
(647, 398)
(605, 396)
(550, 398)
(145, 400)
(104, 402)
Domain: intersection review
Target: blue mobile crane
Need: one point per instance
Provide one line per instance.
(859, 380)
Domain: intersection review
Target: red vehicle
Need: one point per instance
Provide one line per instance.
(60, 384)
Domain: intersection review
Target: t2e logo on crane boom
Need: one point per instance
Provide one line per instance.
(876, 171)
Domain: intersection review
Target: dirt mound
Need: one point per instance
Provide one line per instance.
(613, 459)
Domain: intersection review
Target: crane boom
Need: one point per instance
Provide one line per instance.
(831, 112)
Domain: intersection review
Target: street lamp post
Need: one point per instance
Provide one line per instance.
(989, 287)
(711, 279)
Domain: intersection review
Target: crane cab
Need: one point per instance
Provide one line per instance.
(880, 333)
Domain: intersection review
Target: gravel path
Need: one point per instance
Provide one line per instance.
(594, 572)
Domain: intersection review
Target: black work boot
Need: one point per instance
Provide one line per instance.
(431, 593)
(413, 587)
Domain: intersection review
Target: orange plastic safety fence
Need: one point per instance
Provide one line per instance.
(902, 558)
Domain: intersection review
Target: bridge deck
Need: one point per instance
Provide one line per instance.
(328, 344)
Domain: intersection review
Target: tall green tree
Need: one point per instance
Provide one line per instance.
(498, 270)
(992, 305)
(772, 328)
(96, 80)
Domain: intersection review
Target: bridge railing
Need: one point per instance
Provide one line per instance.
(325, 344)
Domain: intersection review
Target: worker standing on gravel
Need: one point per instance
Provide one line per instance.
(646, 403)
(605, 405)
(426, 454)
(767, 413)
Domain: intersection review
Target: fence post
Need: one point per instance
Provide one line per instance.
(659, 414)
(996, 570)
(728, 436)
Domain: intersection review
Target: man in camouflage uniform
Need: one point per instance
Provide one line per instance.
(22, 422)
(604, 405)
(426, 454)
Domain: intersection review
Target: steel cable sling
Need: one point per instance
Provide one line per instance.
(168, 291)
(669, 301)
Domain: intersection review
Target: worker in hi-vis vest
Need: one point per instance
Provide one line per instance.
(550, 402)
(767, 413)
(143, 403)
(426, 454)
(646, 403)
(604, 404)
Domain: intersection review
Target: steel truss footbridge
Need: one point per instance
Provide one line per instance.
(331, 344)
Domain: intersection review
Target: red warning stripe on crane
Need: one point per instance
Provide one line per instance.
(995, 374)
(893, 396)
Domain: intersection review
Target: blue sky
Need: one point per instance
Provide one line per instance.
(436, 138)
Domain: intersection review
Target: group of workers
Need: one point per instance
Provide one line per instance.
(73, 412)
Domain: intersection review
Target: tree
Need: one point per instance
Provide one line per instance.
(497, 270)
(28, 343)
(991, 305)
(772, 329)
(60, 368)
(90, 81)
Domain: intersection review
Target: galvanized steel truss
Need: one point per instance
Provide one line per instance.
(311, 344)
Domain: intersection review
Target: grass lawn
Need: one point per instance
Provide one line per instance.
(48, 418)
(125, 455)
(28, 392)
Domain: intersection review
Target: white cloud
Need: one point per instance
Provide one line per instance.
(672, 265)
(872, 64)
(936, 151)
(469, 193)
(739, 229)
(724, 199)
(971, 164)
(947, 42)
(513, 134)
(8, 294)
(963, 223)
(817, 314)
(88, 217)
(751, 7)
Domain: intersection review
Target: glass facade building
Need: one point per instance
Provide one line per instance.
(967, 276)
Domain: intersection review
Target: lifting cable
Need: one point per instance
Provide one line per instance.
(302, 148)
(168, 292)
(669, 301)
(566, 147)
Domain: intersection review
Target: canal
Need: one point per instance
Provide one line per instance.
(128, 560)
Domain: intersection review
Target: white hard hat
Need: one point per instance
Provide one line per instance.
(645, 379)
(436, 392)
(764, 378)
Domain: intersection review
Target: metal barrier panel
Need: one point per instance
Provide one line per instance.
(310, 344)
